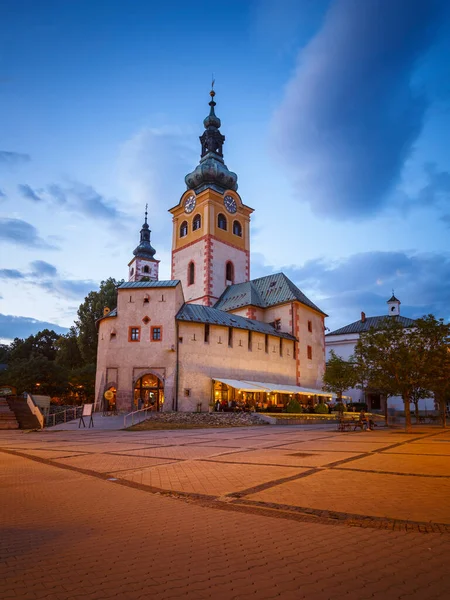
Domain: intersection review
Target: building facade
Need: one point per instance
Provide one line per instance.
(210, 334)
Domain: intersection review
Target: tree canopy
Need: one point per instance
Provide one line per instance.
(340, 375)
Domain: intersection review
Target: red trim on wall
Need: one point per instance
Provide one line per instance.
(151, 333)
(129, 333)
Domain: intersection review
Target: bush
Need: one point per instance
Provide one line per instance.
(321, 409)
(339, 407)
(294, 406)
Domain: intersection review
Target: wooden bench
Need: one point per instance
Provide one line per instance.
(351, 424)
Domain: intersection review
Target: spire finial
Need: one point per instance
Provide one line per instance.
(146, 207)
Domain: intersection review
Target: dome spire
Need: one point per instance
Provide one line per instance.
(145, 249)
(212, 171)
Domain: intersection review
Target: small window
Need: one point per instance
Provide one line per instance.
(183, 229)
(134, 334)
(267, 344)
(187, 391)
(222, 222)
(229, 272)
(196, 223)
(146, 299)
(250, 340)
(230, 337)
(191, 273)
(156, 334)
(112, 335)
(206, 333)
(237, 228)
(277, 324)
(309, 325)
(281, 346)
(310, 352)
(146, 269)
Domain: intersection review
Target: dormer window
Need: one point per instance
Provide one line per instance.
(222, 222)
(183, 229)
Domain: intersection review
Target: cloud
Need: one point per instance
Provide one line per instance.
(22, 327)
(22, 233)
(364, 282)
(151, 166)
(351, 115)
(43, 269)
(2, 194)
(13, 158)
(76, 197)
(11, 274)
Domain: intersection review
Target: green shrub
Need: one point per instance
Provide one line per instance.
(339, 407)
(294, 406)
(321, 409)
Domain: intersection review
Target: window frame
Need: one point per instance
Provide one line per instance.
(197, 222)
(131, 329)
(152, 329)
(222, 218)
(184, 227)
(236, 222)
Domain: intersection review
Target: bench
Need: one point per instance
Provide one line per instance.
(351, 424)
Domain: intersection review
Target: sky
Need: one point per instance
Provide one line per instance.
(337, 121)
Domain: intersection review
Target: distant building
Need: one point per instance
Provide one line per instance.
(343, 342)
(210, 334)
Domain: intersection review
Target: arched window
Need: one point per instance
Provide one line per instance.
(183, 229)
(237, 228)
(229, 272)
(146, 269)
(222, 222)
(196, 222)
(191, 273)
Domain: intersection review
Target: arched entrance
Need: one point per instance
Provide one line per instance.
(149, 393)
(109, 401)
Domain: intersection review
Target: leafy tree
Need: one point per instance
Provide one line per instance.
(69, 355)
(404, 361)
(4, 353)
(41, 344)
(340, 375)
(82, 383)
(37, 375)
(89, 312)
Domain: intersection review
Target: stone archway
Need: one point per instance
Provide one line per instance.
(148, 392)
(109, 399)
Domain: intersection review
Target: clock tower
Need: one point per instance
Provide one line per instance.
(211, 233)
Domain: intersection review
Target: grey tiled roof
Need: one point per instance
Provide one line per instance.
(375, 322)
(149, 284)
(197, 313)
(263, 292)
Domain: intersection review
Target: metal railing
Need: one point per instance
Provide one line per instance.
(137, 416)
(69, 414)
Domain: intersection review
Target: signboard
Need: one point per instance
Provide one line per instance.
(7, 391)
(87, 412)
(109, 395)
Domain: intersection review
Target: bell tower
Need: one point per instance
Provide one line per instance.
(144, 264)
(393, 306)
(211, 224)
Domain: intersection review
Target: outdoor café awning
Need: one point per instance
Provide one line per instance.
(264, 386)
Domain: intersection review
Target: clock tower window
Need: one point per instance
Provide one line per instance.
(196, 222)
(183, 229)
(222, 222)
(237, 228)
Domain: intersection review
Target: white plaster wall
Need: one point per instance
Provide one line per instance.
(221, 253)
(138, 264)
(182, 258)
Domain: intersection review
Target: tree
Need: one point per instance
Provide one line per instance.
(37, 375)
(89, 312)
(69, 355)
(403, 361)
(340, 375)
(41, 344)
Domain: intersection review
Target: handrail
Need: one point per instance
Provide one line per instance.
(64, 414)
(36, 411)
(136, 412)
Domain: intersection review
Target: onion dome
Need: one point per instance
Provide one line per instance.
(145, 249)
(212, 171)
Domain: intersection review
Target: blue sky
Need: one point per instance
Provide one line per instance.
(336, 116)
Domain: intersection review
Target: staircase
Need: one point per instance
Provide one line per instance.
(7, 417)
(25, 418)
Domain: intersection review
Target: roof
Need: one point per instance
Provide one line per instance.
(197, 313)
(375, 322)
(264, 386)
(394, 299)
(149, 284)
(263, 292)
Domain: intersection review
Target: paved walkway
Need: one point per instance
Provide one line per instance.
(279, 512)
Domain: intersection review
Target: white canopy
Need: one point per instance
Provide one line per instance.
(259, 386)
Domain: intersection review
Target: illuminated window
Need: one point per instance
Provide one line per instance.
(156, 334)
(222, 222)
(197, 222)
(310, 352)
(134, 334)
(183, 229)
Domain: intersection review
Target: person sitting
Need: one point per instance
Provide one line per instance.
(367, 423)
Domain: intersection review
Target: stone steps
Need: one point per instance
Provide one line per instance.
(7, 417)
(22, 412)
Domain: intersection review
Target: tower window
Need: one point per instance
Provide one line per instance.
(222, 222)
(206, 333)
(191, 273)
(156, 334)
(134, 334)
(146, 269)
(266, 343)
(229, 272)
(230, 337)
(183, 229)
(309, 326)
(250, 340)
(237, 228)
(281, 346)
(196, 223)
(310, 352)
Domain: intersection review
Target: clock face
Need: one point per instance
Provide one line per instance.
(189, 204)
(230, 204)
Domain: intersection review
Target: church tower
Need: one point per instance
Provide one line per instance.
(211, 225)
(393, 306)
(144, 264)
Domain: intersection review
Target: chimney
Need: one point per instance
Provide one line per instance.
(363, 317)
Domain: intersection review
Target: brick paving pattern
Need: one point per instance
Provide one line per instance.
(260, 513)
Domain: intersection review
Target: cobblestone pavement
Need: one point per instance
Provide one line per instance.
(254, 513)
